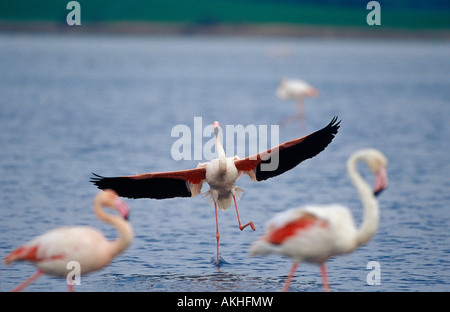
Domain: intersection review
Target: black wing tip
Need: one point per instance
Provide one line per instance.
(156, 188)
(334, 124)
(96, 179)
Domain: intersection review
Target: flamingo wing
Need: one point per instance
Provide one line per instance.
(287, 155)
(29, 253)
(157, 185)
(293, 232)
(45, 247)
(279, 234)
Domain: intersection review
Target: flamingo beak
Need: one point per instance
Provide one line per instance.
(122, 208)
(312, 92)
(381, 181)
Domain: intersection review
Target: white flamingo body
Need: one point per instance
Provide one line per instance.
(221, 174)
(222, 186)
(313, 234)
(295, 89)
(331, 233)
(84, 245)
(52, 251)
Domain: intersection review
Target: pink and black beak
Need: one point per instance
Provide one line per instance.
(381, 181)
(122, 208)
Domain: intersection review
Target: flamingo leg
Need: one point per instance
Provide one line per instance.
(299, 116)
(239, 220)
(300, 110)
(290, 276)
(28, 281)
(287, 120)
(217, 233)
(323, 271)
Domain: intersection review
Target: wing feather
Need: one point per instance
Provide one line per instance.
(286, 156)
(157, 185)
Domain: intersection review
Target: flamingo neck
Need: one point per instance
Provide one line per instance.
(123, 227)
(222, 157)
(370, 205)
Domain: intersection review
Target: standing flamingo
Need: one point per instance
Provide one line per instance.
(221, 174)
(297, 90)
(313, 234)
(52, 251)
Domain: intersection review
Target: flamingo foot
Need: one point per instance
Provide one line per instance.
(239, 219)
(251, 225)
(218, 263)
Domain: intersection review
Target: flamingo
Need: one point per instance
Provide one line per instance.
(221, 173)
(298, 90)
(51, 252)
(313, 234)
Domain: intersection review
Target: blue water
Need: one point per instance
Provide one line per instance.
(72, 105)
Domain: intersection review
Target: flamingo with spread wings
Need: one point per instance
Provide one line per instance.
(222, 173)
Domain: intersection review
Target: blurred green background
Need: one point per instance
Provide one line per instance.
(402, 14)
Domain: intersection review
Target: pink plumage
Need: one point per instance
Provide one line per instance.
(313, 234)
(52, 251)
(222, 173)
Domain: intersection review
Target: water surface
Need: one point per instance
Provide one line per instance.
(72, 105)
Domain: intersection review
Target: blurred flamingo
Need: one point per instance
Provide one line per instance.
(313, 234)
(297, 90)
(52, 252)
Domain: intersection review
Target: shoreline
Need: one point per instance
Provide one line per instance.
(254, 30)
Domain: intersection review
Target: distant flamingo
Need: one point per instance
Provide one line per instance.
(313, 234)
(297, 90)
(221, 174)
(52, 251)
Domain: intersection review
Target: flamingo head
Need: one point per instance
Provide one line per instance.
(377, 163)
(216, 128)
(122, 208)
(312, 92)
(115, 202)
